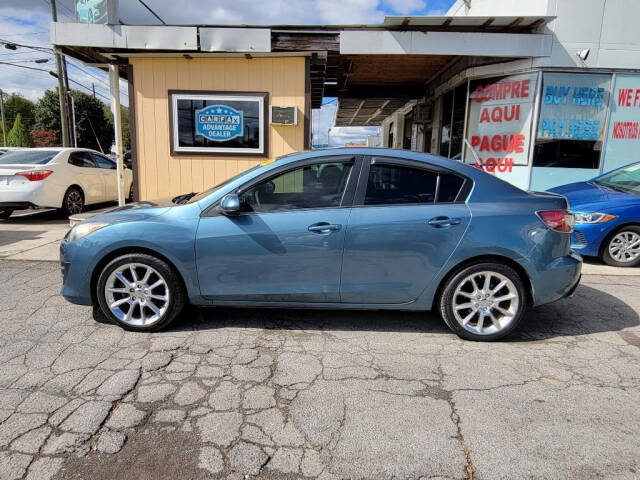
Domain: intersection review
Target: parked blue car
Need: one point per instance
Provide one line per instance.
(607, 211)
(342, 228)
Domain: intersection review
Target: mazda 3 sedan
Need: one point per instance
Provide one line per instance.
(341, 229)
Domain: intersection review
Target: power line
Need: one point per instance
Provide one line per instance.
(152, 12)
(50, 72)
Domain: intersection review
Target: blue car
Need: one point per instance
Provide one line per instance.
(340, 229)
(607, 212)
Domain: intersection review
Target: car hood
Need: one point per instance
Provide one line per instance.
(135, 211)
(583, 194)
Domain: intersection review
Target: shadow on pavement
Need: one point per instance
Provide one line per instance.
(589, 311)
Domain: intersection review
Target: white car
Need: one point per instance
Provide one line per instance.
(65, 178)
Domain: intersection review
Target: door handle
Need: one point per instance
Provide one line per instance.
(441, 222)
(324, 227)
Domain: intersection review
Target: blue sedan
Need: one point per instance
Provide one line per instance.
(607, 211)
(344, 228)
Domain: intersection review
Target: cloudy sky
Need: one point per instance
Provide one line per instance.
(27, 22)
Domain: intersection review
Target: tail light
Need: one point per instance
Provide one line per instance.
(558, 220)
(35, 175)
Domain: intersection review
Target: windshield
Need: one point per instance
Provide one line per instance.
(28, 157)
(209, 191)
(625, 179)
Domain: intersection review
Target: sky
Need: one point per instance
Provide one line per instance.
(27, 22)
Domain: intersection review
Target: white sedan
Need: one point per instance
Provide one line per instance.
(64, 178)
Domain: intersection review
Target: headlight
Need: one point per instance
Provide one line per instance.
(83, 229)
(595, 217)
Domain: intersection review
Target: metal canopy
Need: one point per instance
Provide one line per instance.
(446, 21)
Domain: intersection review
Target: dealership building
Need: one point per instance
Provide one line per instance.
(539, 93)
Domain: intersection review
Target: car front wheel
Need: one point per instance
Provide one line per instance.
(483, 302)
(622, 249)
(139, 292)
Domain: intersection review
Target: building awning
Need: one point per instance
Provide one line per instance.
(463, 21)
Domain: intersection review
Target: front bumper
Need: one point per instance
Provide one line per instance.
(76, 278)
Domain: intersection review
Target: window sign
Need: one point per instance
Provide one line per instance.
(574, 106)
(499, 124)
(573, 114)
(623, 138)
(97, 11)
(218, 123)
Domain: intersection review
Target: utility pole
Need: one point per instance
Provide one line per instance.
(4, 126)
(117, 126)
(93, 87)
(64, 115)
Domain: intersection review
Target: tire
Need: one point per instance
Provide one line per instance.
(491, 320)
(130, 199)
(72, 202)
(616, 249)
(5, 213)
(152, 308)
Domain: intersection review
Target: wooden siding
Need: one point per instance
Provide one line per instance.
(159, 173)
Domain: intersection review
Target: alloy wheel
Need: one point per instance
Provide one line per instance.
(625, 247)
(137, 294)
(74, 202)
(485, 303)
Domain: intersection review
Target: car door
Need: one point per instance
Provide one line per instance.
(286, 244)
(86, 173)
(108, 171)
(406, 222)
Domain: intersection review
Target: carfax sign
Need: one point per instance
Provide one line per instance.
(219, 123)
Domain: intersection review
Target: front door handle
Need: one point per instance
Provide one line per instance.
(441, 222)
(324, 227)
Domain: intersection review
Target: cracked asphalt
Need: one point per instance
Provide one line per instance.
(280, 394)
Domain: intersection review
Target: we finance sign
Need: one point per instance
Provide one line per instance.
(219, 123)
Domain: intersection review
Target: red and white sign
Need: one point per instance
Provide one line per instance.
(499, 124)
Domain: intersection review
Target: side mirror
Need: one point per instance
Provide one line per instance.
(230, 204)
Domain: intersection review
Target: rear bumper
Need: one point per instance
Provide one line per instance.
(558, 280)
(30, 194)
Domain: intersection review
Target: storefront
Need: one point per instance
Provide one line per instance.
(543, 128)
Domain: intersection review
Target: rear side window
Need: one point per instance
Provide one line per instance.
(397, 185)
(104, 162)
(449, 188)
(393, 184)
(28, 157)
(81, 159)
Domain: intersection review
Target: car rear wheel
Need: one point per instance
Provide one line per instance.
(5, 213)
(483, 302)
(72, 202)
(140, 292)
(622, 249)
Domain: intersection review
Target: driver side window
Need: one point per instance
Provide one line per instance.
(319, 185)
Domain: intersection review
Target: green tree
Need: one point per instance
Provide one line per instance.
(15, 104)
(19, 136)
(94, 129)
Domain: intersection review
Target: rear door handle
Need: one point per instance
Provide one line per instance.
(324, 227)
(440, 222)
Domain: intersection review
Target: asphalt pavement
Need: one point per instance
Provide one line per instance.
(238, 393)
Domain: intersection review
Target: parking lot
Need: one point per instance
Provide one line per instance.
(290, 394)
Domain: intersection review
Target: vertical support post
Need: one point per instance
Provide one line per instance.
(73, 120)
(4, 125)
(64, 117)
(117, 126)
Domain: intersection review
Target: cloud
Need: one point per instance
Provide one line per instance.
(404, 7)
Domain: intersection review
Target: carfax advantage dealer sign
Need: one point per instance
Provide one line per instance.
(219, 123)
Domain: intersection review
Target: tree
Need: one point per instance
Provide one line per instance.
(16, 104)
(19, 136)
(45, 138)
(94, 129)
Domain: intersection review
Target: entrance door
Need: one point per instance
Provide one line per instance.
(403, 228)
(286, 245)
